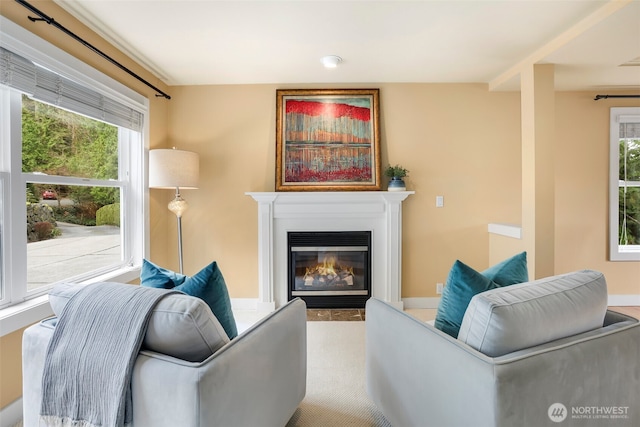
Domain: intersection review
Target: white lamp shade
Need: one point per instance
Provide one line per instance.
(171, 168)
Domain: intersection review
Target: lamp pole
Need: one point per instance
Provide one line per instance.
(178, 206)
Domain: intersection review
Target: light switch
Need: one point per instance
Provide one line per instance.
(439, 201)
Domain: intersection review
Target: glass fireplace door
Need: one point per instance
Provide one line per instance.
(330, 269)
(339, 270)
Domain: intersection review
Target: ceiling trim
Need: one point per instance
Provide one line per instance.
(86, 18)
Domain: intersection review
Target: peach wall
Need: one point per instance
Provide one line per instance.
(581, 175)
(461, 142)
(457, 140)
(582, 179)
(503, 247)
(11, 367)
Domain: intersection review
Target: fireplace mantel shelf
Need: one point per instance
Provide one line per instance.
(362, 201)
(377, 211)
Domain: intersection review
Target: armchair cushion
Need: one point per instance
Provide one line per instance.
(208, 284)
(504, 320)
(180, 326)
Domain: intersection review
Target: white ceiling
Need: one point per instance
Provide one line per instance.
(197, 42)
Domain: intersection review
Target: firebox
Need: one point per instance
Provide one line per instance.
(330, 269)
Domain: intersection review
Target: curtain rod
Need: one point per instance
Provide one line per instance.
(615, 96)
(51, 21)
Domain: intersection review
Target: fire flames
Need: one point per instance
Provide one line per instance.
(329, 273)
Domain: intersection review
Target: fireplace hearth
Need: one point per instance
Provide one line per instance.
(330, 269)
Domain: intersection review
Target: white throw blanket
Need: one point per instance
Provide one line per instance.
(87, 373)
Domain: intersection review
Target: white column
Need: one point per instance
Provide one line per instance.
(394, 239)
(266, 300)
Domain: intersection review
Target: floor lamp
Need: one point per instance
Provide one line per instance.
(174, 169)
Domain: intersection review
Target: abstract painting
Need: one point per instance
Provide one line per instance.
(327, 140)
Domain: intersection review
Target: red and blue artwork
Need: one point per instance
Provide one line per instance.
(328, 140)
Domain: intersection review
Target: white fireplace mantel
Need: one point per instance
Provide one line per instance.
(377, 211)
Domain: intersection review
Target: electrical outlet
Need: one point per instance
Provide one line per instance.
(439, 287)
(439, 201)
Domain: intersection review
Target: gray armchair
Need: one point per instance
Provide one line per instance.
(257, 379)
(419, 376)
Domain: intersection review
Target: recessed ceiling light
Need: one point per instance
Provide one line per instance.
(331, 61)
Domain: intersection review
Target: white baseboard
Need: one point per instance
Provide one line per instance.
(421, 302)
(252, 304)
(266, 307)
(11, 414)
(244, 303)
(623, 300)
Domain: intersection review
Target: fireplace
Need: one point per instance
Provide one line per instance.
(280, 213)
(330, 269)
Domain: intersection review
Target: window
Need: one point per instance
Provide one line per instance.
(2, 233)
(66, 220)
(624, 188)
(71, 170)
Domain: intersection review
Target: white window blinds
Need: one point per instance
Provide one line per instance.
(46, 86)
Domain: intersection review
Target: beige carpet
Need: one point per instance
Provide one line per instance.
(336, 393)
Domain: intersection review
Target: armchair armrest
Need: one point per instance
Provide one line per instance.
(415, 372)
(413, 368)
(259, 378)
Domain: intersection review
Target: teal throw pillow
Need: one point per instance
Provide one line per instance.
(463, 283)
(154, 276)
(208, 285)
(510, 271)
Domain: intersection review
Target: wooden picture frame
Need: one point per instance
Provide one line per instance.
(327, 140)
